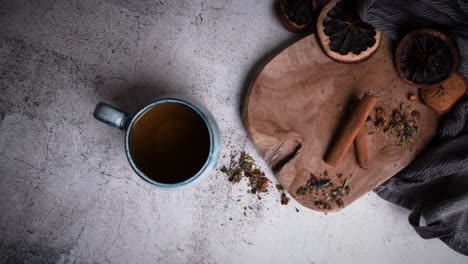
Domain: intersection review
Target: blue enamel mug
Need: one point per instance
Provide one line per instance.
(117, 118)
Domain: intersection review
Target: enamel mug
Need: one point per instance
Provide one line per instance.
(122, 120)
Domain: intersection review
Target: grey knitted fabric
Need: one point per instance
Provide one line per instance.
(435, 185)
(395, 18)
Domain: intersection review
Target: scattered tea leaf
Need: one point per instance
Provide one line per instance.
(279, 187)
(402, 124)
(284, 199)
(244, 166)
(302, 190)
(324, 193)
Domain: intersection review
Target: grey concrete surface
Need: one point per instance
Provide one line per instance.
(67, 193)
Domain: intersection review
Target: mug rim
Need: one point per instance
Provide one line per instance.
(140, 172)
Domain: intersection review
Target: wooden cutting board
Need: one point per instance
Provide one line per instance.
(300, 98)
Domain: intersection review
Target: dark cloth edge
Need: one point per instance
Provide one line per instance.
(398, 198)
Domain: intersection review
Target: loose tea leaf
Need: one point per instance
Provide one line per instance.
(302, 190)
(244, 166)
(284, 199)
(262, 184)
(402, 124)
(279, 187)
(323, 193)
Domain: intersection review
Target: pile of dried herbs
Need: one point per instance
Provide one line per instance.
(401, 123)
(323, 192)
(244, 166)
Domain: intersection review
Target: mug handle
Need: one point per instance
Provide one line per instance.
(110, 115)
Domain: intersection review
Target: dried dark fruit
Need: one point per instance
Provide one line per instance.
(426, 57)
(296, 15)
(298, 11)
(442, 97)
(343, 35)
(347, 32)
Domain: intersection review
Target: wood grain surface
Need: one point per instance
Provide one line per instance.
(296, 105)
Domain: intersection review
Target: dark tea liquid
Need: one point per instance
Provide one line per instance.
(169, 143)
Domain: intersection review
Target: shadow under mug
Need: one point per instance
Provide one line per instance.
(122, 120)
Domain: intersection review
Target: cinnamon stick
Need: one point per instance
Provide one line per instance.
(351, 129)
(360, 144)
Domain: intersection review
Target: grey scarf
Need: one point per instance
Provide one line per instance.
(435, 185)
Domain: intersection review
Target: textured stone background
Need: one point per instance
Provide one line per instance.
(67, 193)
